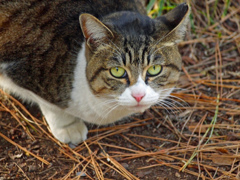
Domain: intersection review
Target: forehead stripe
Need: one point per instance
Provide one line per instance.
(144, 51)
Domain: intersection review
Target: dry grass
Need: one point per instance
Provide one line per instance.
(206, 138)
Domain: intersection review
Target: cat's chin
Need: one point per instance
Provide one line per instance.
(138, 108)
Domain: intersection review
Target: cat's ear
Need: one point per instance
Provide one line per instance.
(94, 31)
(176, 21)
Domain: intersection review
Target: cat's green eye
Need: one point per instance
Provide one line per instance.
(154, 70)
(118, 72)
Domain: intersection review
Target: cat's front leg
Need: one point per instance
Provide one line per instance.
(65, 127)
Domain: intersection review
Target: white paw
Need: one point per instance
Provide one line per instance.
(74, 133)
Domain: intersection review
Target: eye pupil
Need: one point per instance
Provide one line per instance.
(118, 72)
(154, 70)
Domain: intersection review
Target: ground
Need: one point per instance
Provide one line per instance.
(197, 138)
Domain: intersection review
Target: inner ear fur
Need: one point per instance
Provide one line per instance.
(94, 31)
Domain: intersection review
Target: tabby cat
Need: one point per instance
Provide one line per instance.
(88, 60)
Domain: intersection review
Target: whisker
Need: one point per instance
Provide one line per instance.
(117, 49)
(157, 50)
(152, 47)
(172, 105)
(106, 102)
(181, 103)
(109, 110)
(162, 104)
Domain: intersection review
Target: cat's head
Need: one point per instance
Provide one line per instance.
(132, 58)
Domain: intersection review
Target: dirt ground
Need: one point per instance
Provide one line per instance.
(198, 137)
(18, 164)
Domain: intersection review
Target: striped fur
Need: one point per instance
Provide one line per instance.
(59, 54)
(43, 38)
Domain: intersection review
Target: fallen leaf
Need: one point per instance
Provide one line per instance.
(17, 156)
(222, 150)
(222, 160)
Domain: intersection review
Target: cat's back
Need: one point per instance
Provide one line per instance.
(29, 26)
(26, 27)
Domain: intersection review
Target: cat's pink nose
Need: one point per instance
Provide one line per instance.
(138, 97)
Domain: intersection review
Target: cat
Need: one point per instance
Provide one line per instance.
(88, 60)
